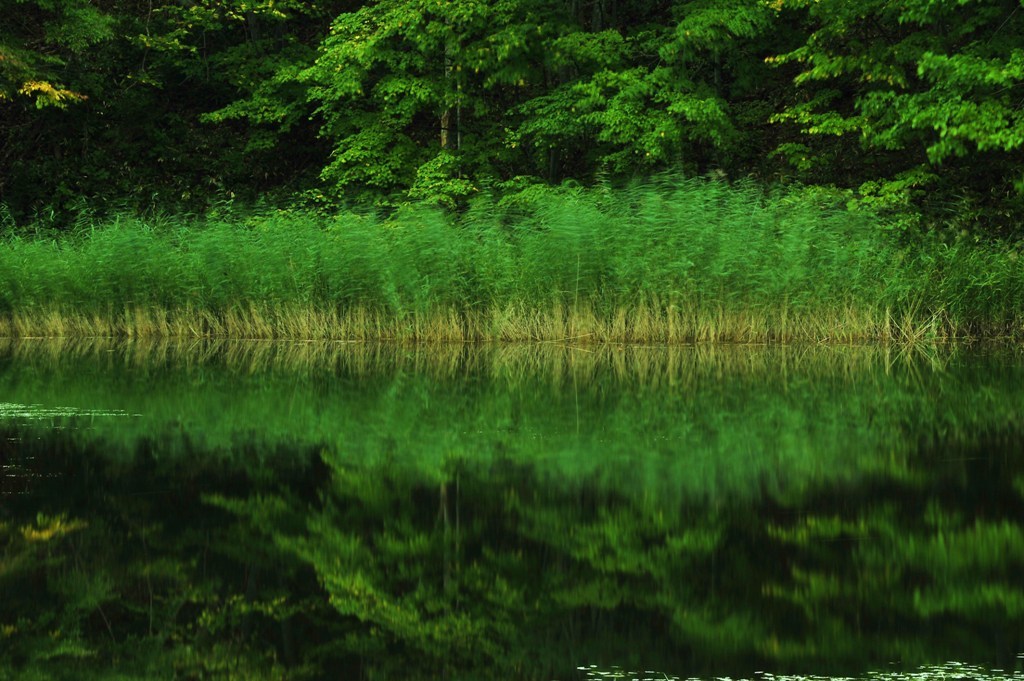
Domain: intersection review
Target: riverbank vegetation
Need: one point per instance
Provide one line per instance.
(483, 170)
(655, 262)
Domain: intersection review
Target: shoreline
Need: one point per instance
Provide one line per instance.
(582, 325)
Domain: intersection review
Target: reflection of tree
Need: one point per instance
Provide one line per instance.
(941, 558)
(493, 571)
(511, 525)
(127, 578)
(537, 575)
(490, 573)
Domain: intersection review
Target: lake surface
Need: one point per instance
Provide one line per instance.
(308, 511)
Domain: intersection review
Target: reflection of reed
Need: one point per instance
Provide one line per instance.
(653, 366)
(687, 421)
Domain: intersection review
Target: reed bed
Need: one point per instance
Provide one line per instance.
(657, 262)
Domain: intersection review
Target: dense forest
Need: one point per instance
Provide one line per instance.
(910, 107)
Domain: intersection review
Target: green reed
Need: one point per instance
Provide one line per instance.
(661, 260)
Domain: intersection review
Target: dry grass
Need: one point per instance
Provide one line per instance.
(647, 323)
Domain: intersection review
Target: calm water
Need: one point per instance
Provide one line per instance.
(359, 512)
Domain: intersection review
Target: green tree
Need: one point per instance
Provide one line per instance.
(176, 104)
(929, 90)
(411, 92)
(419, 95)
(676, 84)
(244, 58)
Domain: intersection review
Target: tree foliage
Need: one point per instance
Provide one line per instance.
(926, 92)
(910, 107)
(40, 40)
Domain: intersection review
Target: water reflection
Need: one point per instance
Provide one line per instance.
(318, 511)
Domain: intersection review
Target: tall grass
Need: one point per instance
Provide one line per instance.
(655, 262)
